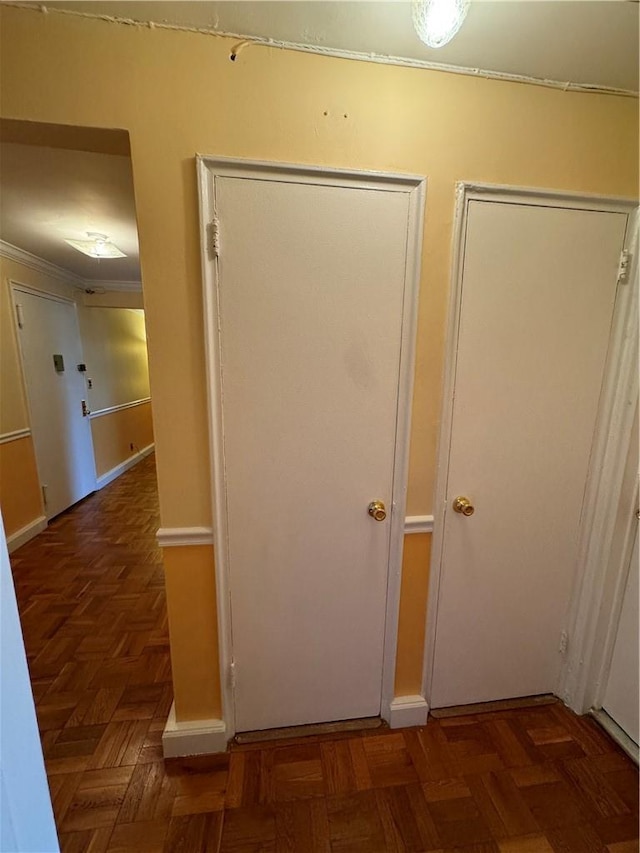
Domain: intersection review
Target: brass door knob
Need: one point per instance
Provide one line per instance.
(463, 506)
(377, 511)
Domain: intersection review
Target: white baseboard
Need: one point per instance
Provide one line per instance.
(619, 735)
(195, 737)
(104, 479)
(25, 533)
(408, 711)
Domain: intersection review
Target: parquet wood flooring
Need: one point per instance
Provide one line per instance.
(91, 596)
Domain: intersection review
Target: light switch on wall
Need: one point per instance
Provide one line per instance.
(89, 383)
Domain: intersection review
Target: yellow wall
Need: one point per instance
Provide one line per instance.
(177, 94)
(20, 495)
(194, 652)
(113, 434)
(115, 350)
(413, 611)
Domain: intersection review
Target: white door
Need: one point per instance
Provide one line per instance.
(622, 692)
(311, 287)
(51, 352)
(538, 287)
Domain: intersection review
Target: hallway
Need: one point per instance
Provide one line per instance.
(91, 596)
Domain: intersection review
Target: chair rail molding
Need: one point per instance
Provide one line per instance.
(174, 537)
(418, 524)
(14, 435)
(119, 407)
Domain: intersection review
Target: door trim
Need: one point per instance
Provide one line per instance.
(208, 168)
(599, 590)
(466, 192)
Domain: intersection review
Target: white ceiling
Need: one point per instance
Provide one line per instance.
(50, 194)
(576, 41)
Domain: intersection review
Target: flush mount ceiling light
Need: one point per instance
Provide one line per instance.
(437, 21)
(97, 246)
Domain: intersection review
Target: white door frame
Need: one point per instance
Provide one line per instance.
(414, 187)
(624, 315)
(17, 287)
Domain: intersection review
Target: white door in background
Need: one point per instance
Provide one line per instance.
(622, 691)
(538, 292)
(310, 293)
(48, 326)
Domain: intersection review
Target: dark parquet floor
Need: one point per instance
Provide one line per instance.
(91, 596)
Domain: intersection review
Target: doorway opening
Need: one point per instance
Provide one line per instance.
(78, 489)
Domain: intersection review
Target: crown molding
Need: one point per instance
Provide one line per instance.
(15, 253)
(123, 286)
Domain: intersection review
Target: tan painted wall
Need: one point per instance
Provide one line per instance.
(413, 612)
(115, 432)
(178, 94)
(194, 652)
(20, 495)
(115, 351)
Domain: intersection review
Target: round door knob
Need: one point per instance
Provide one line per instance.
(377, 511)
(463, 506)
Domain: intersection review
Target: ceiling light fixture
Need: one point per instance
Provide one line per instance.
(437, 21)
(97, 246)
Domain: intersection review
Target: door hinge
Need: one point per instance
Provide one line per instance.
(564, 643)
(19, 316)
(44, 494)
(623, 266)
(232, 674)
(214, 238)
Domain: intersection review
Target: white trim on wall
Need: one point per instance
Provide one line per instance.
(619, 735)
(408, 711)
(121, 286)
(418, 524)
(20, 537)
(109, 410)
(194, 737)
(415, 187)
(466, 192)
(173, 537)
(35, 262)
(14, 435)
(109, 476)
(17, 287)
(170, 537)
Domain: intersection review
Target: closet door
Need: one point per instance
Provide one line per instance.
(538, 288)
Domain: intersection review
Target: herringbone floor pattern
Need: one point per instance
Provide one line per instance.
(91, 596)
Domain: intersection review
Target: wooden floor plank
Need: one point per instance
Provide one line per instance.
(522, 778)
